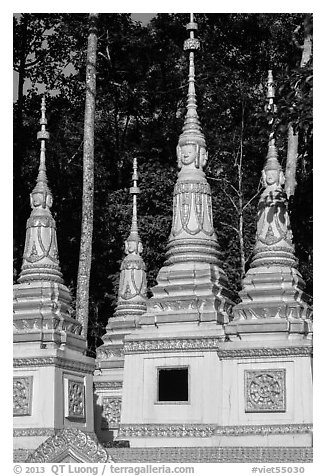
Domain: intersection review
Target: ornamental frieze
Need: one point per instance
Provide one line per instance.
(208, 430)
(265, 391)
(172, 345)
(56, 361)
(297, 351)
(22, 396)
(104, 353)
(114, 384)
(111, 413)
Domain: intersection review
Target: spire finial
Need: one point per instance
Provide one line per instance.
(272, 162)
(41, 186)
(134, 191)
(191, 132)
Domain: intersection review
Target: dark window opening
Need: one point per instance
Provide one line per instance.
(173, 385)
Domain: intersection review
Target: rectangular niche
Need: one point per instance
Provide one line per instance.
(74, 399)
(22, 396)
(265, 391)
(173, 384)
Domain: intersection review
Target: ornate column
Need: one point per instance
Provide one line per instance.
(272, 290)
(192, 281)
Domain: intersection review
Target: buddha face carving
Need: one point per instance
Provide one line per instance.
(133, 247)
(191, 156)
(273, 177)
(41, 199)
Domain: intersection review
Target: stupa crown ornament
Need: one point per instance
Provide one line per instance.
(40, 259)
(132, 285)
(191, 148)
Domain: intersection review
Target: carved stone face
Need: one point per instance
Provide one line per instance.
(272, 176)
(37, 200)
(188, 154)
(133, 247)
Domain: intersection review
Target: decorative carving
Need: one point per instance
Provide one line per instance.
(191, 44)
(70, 442)
(106, 353)
(111, 412)
(114, 384)
(57, 362)
(202, 344)
(207, 430)
(22, 395)
(265, 391)
(258, 352)
(75, 401)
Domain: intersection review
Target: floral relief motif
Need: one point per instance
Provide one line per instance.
(76, 399)
(111, 412)
(265, 391)
(22, 396)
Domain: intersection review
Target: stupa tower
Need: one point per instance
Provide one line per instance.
(52, 375)
(272, 291)
(175, 348)
(192, 284)
(131, 305)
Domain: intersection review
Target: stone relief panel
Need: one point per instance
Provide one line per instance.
(22, 396)
(265, 391)
(75, 399)
(111, 412)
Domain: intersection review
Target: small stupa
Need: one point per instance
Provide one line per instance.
(272, 295)
(53, 376)
(42, 303)
(131, 305)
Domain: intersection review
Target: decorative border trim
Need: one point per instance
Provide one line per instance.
(212, 454)
(18, 432)
(298, 351)
(161, 345)
(114, 384)
(209, 430)
(56, 361)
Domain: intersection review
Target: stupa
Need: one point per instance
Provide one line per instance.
(131, 305)
(53, 377)
(175, 348)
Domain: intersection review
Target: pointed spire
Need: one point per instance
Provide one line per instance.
(40, 259)
(132, 286)
(272, 162)
(134, 191)
(43, 135)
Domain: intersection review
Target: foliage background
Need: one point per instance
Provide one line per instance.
(140, 106)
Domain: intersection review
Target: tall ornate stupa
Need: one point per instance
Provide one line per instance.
(272, 295)
(192, 285)
(131, 305)
(53, 377)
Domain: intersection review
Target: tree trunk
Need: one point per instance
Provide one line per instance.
(293, 140)
(85, 256)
